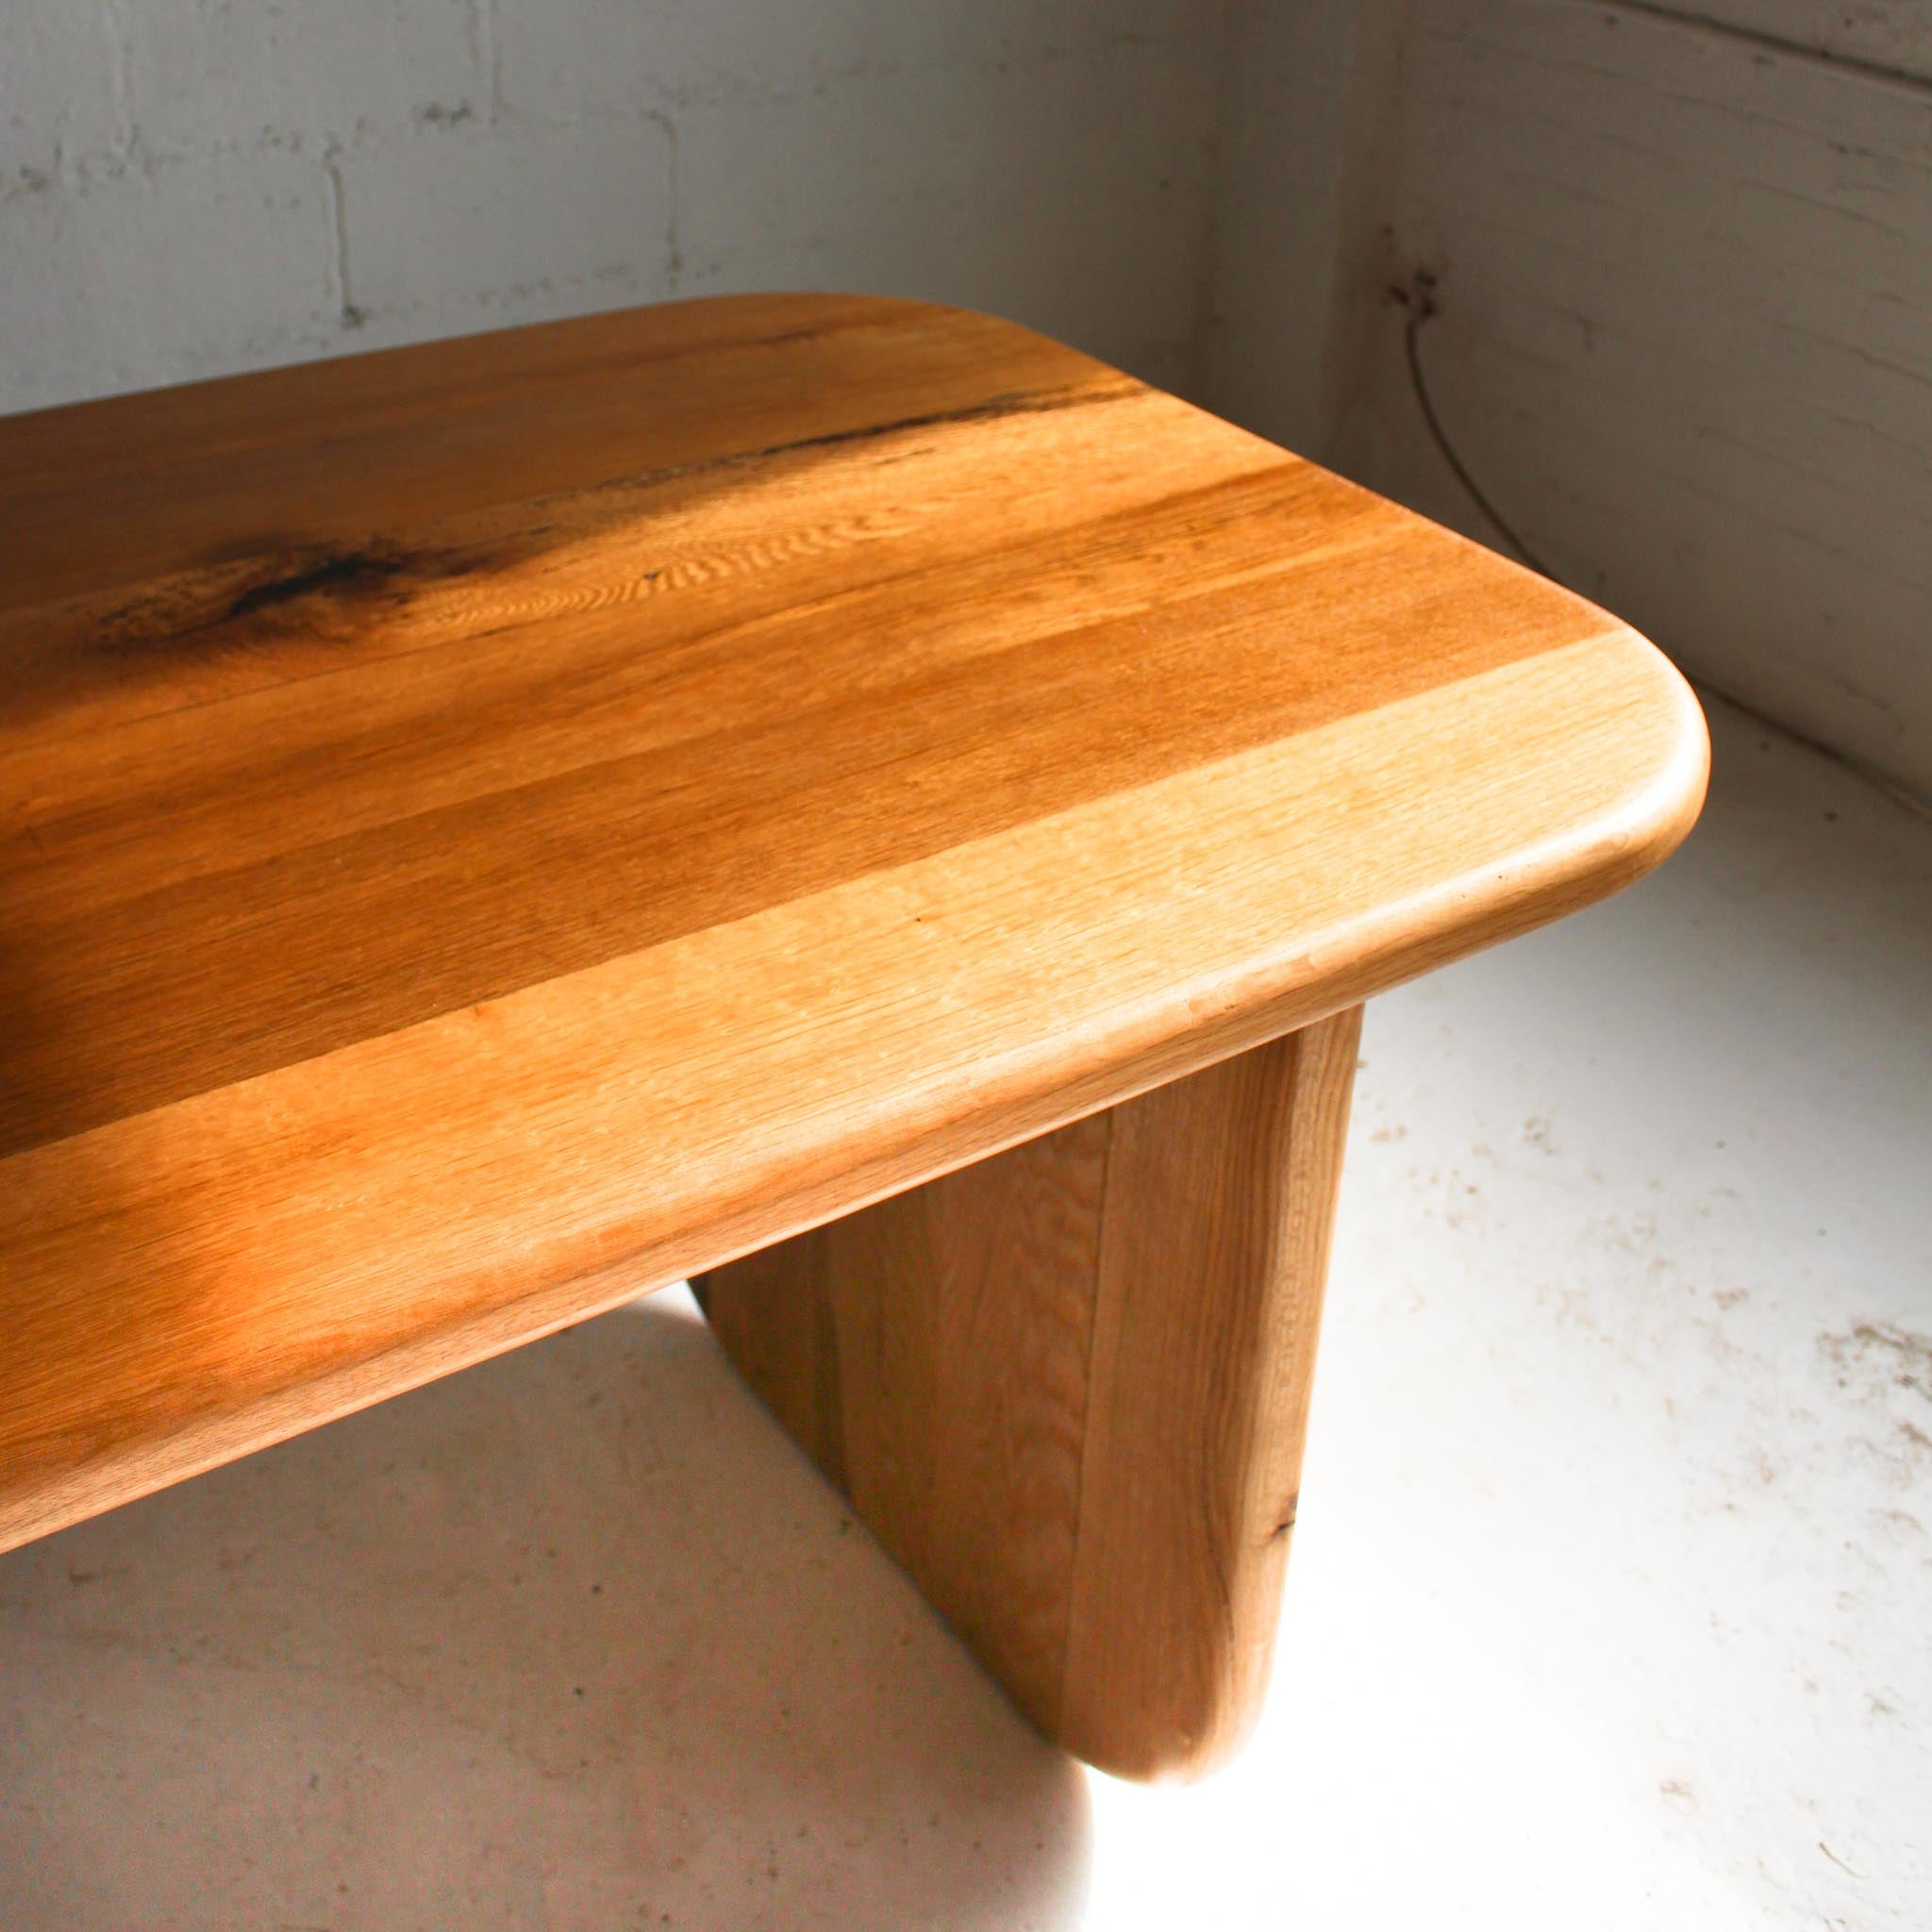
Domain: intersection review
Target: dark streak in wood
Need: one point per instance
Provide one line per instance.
(356, 571)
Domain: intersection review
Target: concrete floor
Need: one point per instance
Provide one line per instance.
(1610, 1604)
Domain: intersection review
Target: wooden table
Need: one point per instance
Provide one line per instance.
(491, 827)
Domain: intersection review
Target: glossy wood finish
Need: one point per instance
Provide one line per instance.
(490, 828)
(1067, 1387)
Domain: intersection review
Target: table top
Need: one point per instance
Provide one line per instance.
(488, 828)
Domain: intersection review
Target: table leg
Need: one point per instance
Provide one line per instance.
(1067, 1387)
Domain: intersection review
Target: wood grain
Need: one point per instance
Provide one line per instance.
(1068, 1388)
(489, 828)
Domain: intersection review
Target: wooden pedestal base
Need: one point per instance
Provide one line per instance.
(1066, 1388)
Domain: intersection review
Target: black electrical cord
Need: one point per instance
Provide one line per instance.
(1420, 310)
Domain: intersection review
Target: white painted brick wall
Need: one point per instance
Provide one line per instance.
(144, 275)
(1071, 194)
(213, 74)
(490, 226)
(59, 73)
(189, 187)
(1891, 35)
(609, 55)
